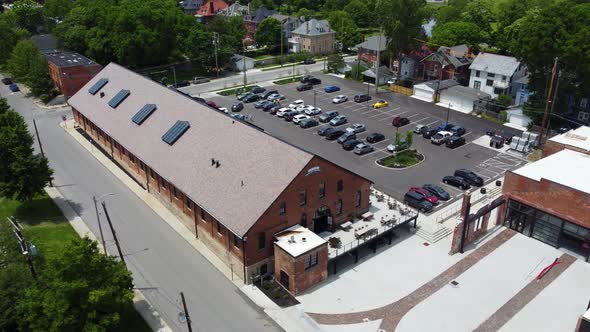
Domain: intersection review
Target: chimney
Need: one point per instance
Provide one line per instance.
(101, 94)
(469, 53)
(212, 11)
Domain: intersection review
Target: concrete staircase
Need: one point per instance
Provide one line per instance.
(434, 236)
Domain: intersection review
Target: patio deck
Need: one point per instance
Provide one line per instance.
(387, 214)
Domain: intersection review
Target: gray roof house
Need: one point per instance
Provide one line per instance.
(494, 63)
(314, 36)
(191, 6)
(495, 74)
(289, 23)
(373, 43)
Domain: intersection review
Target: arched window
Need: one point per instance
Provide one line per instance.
(303, 221)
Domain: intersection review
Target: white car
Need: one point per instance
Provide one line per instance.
(313, 111)
(223, 109)
(363, 148)
(357, 128)
(300, 117)
(275, 96)
(296, 103)
(281, 112)
(339, 99)
(441, 137)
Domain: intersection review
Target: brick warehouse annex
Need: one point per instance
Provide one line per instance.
(232, 185)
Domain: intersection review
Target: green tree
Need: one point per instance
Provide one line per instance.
(451, 12)
(197, 46)
(409, 138)
(57, 8)
(360, 11)
(479, 12)
(504, 100)
(346, 30)
(29, 66)
(268, 33)
(402, 22)
(29, 14)
(14, 279)
(335, 62)
(8, 38)
(81, 290)
(38, 79)
(455, 33)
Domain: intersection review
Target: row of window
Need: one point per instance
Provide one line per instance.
(303, 195)
(303, 202)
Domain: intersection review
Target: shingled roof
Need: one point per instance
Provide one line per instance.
(254, 166)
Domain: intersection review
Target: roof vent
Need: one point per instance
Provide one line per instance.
(292, 239)
(217, 164)
(101, 94)
(303, 239)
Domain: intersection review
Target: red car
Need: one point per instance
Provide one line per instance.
(398, 121)
(430, 197)
(212, 104)
(274, 110)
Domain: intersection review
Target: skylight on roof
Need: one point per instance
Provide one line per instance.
(118, 98)
(174, 133)
(98, 85)
(143, 113)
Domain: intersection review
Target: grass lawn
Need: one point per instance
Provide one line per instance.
(402, 159)
(288, 80)
(236, 91)
(46, 227)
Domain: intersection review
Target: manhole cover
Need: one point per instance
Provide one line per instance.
(426, 244)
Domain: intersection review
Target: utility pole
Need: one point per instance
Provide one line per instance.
(40, 146)
(293, 72)
(546, 114)
(215, 43)
(314, 97)
(27, 251)
(174, 73)
(282, 32)
(553, 104)
(378, 62)
(448, 111)
(244, 64)
(106, 213)
(188, 319)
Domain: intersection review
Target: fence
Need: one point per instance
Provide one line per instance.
(400, 89)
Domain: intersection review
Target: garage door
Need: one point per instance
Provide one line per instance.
(464, 105)
(424, 94)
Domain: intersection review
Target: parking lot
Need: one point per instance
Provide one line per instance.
(439, 160)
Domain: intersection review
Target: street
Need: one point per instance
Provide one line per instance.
(162, 262)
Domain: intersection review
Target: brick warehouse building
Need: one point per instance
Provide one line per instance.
(70, 71)
(231, 184)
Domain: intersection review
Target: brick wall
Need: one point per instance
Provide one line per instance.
(69, 80)
(551, 147)
(301, 278)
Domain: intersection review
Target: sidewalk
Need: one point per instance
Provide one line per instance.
(283, 317)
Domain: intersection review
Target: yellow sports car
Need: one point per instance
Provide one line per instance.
(380, 104)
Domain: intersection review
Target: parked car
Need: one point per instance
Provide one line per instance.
(441, 137)
(420, 129)
(200, 79)
(361, 98)
(251, 98)
(339, 99)
(469, 176)
(314, 81)
(357, 128)
(325, 130)
(396, 148)
(282, 111)
(268, 93)
(331, 88)
(429, 133)
(333, 135)
(305, 78)
(290, 115)
(455, 141)
(313, 110)
(237, 107)
(346, 136)
(375, 137)
(417, 201)
(326, 117)
(430, 197)
(7, 81)
(296, 103)
(438, 191)
(308, 61)
(268, 106)
(497, 142)
(392, 81)
(399, 121)
(273, 110)
(212, 104)
(223, 109)
(350, 144)
(363, 148)
(261, 104)
(338, 120)
(275, 96)
(240, 117)
(457, 130)
(308, 123)
(257, 89)
(13, 87)
(380, 104)
(304, 87)
(300, 117)
(244, 95)
(445, 126)
(456, 181)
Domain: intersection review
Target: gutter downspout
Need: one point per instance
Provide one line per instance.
(244, 258)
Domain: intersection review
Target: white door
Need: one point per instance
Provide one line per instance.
(463, 105)
(423, 93)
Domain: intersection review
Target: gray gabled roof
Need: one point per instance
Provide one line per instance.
(314, 27)
(383, 72)
(191, 5)
(254, 166)
(494, 63)
(374, 43)
(466, 92)
(444, 84)
(260, 14)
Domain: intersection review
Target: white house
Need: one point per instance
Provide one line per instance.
(495, 74)
(427, 91)
(461, 98)
(238, 62)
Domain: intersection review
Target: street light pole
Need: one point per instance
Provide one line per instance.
(215, 43)
(448, 111)
(95, 200)
(40, 146)
(106, 213)
(188, 319)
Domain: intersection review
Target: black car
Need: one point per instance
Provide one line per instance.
(325, 131)
(305, 86)
(257, 89)
(181, 84)
(261, 103)
(437, 191)
(333, 135)
(470, 177)
(289, 115)
(361, 98)
(375, 137)
(314, 81)
(305, 78)
(326, 117)
(429, 133)
(455, 141)
(268, 93)
(236, 107)
(417, 201)
(7, 81)
(350, 144)
(308, 61)
(251, 98)
(308, 123)
(267, 107)
(456, 181)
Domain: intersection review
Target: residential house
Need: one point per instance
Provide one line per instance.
(462, 98)
(190, 6)
(577, 108)
(409, 67)
(522, 90)
(367, 50)
(70, 71)
(235, 9)
(240, 62)
(429, 91)
(288, 23)
(370, 75)
(496, 74)
(448, 63)
(315, 37)
(252, 21)
(208, 11)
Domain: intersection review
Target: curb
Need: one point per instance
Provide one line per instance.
(141, 304)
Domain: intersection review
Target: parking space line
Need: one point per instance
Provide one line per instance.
(413, 115)
(371, 153)
(392, 116)
(418, 121)
(433, 122)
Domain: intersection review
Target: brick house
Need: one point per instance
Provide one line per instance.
(70, 71)
(252, 21)
(448, 63)
(232, 185)
(408, 67)
(367, 50)
(315, 37)
(208, 10)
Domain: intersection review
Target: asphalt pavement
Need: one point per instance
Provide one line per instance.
(162, 262)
